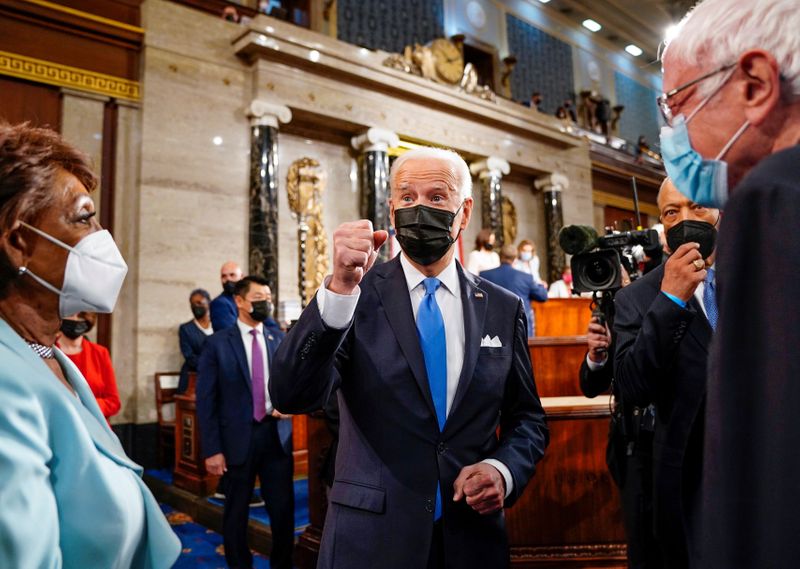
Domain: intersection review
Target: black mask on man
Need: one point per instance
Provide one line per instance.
(424, 232)
(74, 328)
(691, 231)
(199, 311)
(229, 287)
(262, 310)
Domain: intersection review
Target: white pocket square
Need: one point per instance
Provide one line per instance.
(487, 342)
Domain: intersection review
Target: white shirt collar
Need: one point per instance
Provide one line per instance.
(245, 328)
(448, 276)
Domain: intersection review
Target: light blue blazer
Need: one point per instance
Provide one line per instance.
(61, 503)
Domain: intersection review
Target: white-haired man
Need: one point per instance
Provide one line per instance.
(429, 361)
(732, 81)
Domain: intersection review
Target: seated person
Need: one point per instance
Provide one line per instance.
(192, 334)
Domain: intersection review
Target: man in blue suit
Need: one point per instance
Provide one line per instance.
(241, 433)
(224, 312)
(518, 282)
(428, 361)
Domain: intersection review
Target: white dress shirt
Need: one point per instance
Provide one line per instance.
(207, 331)
(336, 311)
(247, 339)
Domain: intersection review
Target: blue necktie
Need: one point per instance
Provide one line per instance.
(430, 326)
(710, 298)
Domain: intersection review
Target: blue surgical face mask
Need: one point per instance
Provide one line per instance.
(703, 181)
(525, 256)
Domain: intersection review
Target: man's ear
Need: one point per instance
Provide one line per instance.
(238, 300)
(761, 88)
(390, 203)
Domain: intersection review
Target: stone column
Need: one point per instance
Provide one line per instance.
(373, 178)
(263, 223)
(491, 172)
(551, 187)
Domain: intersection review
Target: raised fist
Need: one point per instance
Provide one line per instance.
(355, 247)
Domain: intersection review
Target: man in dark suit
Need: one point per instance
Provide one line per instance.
(192, 335)
(224, 312)
(746, 137)
(663, 326)
(629, 454)
(518, 282)
(241, 433)
(429, 361)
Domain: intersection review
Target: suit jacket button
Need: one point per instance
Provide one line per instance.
(429, 506)
(441, 449)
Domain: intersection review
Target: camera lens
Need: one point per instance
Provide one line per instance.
(599, 273)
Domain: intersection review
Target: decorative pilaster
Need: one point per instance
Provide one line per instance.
(373, 162)
(491, 172)
(551, 187)
(263, 245)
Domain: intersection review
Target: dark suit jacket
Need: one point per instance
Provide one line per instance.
(191, 340)
(225, 397)
(224, 312)
(521, 284)
(391, 454)
(661, 358)
(751, 513)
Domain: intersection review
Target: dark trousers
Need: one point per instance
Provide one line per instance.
(636, 492)
(267, 459)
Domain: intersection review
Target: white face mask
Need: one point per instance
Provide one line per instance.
(93, 275)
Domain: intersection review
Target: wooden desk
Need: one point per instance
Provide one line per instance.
(556, 364)
(570, 515)
(190, 468)
(562, 316)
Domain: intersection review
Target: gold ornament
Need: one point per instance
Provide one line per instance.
(305, 184)
(509, 221)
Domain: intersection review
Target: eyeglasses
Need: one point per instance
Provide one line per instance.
(663, 99)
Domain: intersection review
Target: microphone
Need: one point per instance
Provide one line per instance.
(575, 239)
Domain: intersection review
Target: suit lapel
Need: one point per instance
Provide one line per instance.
(474, 301)
(393, 292)
(237, 346)
(700, 329)
(91, 416)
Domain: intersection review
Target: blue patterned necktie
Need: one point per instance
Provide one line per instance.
(710, 298)
(430, 326)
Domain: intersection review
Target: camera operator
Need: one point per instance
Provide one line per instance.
(630, 449)
(662, 327)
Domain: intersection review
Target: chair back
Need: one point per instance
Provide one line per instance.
(166, 386)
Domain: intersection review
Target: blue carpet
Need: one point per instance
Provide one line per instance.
(258, 514)
(201, 547)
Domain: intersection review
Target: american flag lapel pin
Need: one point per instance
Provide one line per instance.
(478, 294)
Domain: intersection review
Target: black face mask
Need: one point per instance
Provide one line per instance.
(229, 287)
(262, 310)
(691, 231)
(424, 232)
(72, 329)
(489, 246)
(199, 311)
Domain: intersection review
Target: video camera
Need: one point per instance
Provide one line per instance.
(597, 260)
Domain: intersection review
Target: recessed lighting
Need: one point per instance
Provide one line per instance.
(217, 140)
(634, 50)
(544, 1)
(313, 55)
(591, 25)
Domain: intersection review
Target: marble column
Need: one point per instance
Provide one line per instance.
(373, 178)
(491, 172)
(551, 187)
(263, 223)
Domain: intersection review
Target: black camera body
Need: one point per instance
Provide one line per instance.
(597, 261)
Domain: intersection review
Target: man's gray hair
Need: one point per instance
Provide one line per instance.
(717, 32)
(460, 168)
